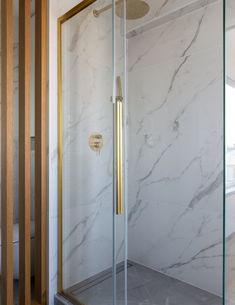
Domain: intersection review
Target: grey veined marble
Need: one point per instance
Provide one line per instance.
(175, 157)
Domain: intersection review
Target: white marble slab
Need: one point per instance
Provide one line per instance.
(88, 175)
(176, 148)
(163, 8)
(175, 83)
(161, 19)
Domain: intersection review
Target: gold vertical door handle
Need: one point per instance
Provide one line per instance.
(119, 120)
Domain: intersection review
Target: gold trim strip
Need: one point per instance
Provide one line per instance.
(75, 10)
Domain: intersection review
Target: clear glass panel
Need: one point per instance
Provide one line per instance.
(0, 142)
(230, 152)
(87, 160)
(175, 155)
(120, 220)
(174, 184)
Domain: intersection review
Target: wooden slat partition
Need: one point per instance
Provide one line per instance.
(40, 149)
(24, 153)
(7, 152)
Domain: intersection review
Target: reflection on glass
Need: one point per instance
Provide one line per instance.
(230, 137)
(230, 153)
(87, 156)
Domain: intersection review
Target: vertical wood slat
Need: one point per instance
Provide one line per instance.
(40, 148)
(7, 152)
(24, 153)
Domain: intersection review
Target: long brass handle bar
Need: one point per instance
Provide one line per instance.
(119, 121)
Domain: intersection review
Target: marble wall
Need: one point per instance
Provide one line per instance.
(87, 54)
(174, 145)
(229, 159)
(87, 175)
(175, 151)
(162, 8)
(56, 9)
(52, 153)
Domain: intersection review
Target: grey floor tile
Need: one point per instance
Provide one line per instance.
(180, 293)
(146, 287)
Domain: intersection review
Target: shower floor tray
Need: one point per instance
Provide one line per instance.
(145, 287)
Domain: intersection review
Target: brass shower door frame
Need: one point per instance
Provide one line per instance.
(71, 13)
(117, 102)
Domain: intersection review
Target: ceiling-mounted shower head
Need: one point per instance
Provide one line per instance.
(135, 9)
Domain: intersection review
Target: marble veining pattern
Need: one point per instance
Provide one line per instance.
(165, 10)
(176, 148)
(161, 19)
(168, 187)
(88, 175)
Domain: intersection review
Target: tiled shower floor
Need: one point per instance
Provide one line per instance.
(145, 287)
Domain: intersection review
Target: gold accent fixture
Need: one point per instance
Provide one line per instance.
(96, 13)
(75, 10)
(135, 9)
(96, 142)
(118, 134)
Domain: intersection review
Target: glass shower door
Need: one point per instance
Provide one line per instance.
(229, 101)
(91, 229)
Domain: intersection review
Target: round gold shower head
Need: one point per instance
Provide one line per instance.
(135, 9)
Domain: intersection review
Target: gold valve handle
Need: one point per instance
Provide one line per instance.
(118, 116)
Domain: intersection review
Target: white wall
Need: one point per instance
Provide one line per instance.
(176, 148)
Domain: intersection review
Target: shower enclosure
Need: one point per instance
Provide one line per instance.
(91, 202)
(145, 207)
